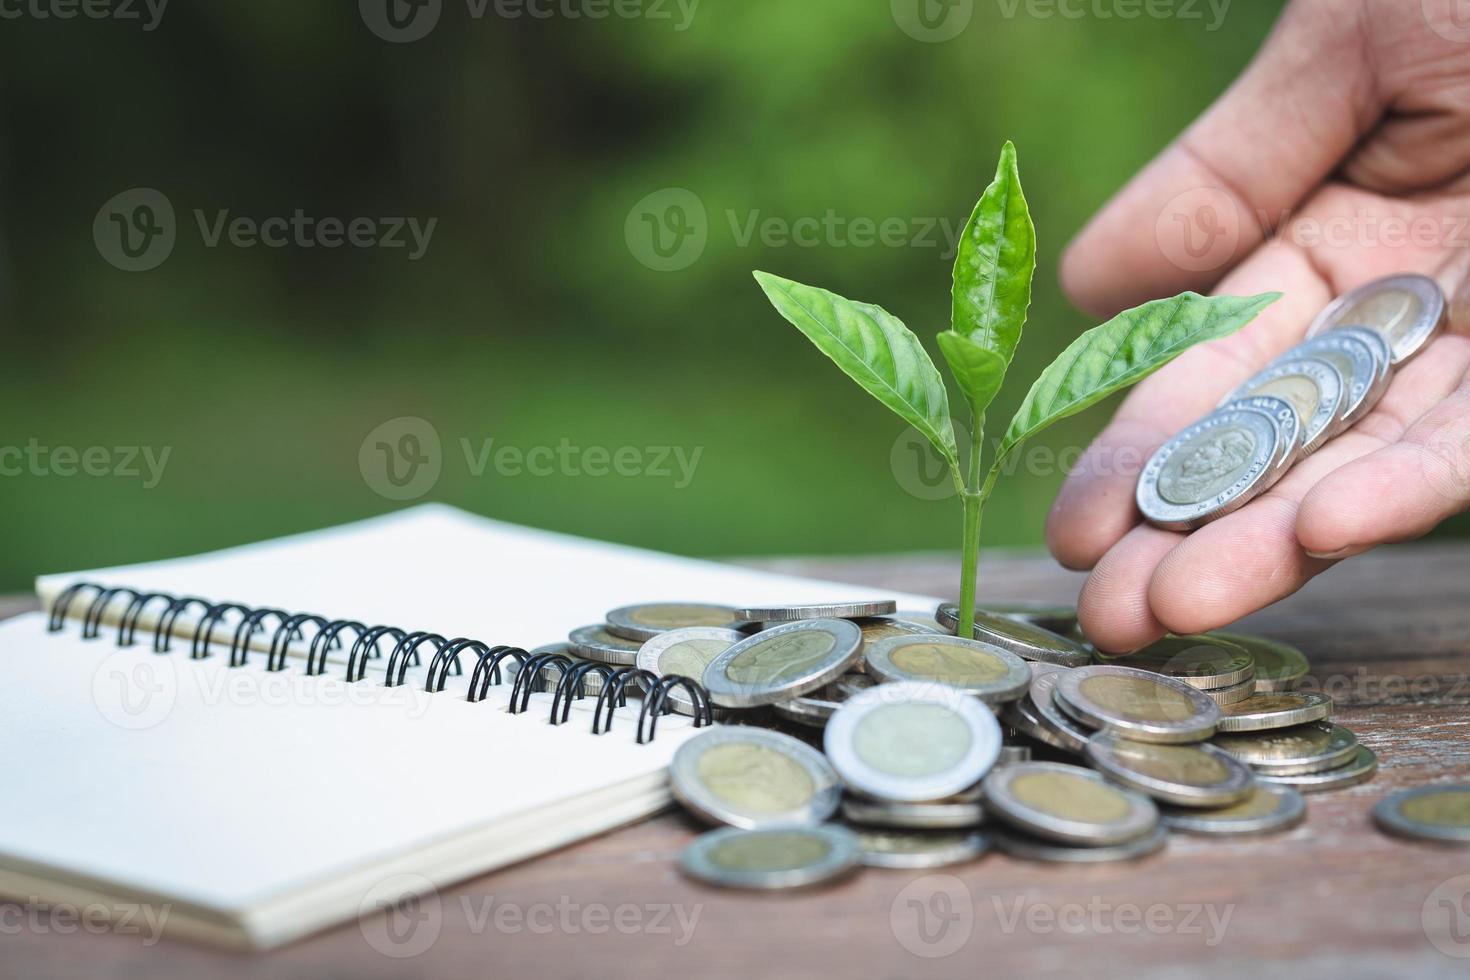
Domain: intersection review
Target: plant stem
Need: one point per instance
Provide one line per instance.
(974, 503)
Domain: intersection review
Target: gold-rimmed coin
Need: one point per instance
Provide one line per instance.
(1436, 813)
(1197, 775)
(1274, 710)
(1291, 751)
(1136, 704)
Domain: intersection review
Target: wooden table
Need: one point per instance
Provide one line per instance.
(1389, 638)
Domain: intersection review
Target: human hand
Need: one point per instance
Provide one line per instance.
(1349, 138)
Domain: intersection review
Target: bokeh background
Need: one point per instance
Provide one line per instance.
(535, 317)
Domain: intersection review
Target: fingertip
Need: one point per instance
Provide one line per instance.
(1081, 279)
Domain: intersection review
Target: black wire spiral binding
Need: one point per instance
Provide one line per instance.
(290, 627)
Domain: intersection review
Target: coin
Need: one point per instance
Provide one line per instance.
(830, 610)
(1364, 763)
(923, 619)
(1030, 849)
(1211, 469)
(1136, 704)
(1313, 387)
(810, 710)
(1274, 710)
(772, 858)
(1408, 310)
(1268, 809)
(1204, 662)
(912, 741)
(1054, 618)
(877, 628)
(1278, 666)
(1363, 365)
(1290, 447)
(644, 622)
(1437, 813)
(1234, 693)
(1066, 733)
(886, 849)
(988, 672)
(1023, 716)
(936, 815)
(751, 777)
(782, 663)
(596, 643)
(1184, 775)
(1291, 751)
(685, 652)
(1012, 754)
(1067, 804)
(1028, 642)
(850, 685)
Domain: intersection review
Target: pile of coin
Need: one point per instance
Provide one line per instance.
(858, 735)
(1315, 391)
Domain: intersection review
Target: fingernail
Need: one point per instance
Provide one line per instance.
(1338, 555)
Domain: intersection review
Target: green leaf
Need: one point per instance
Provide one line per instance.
(1123, 351)
(979, 371)
(876, 350)
(995, 264)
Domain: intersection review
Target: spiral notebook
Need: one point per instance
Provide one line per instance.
(188, 742)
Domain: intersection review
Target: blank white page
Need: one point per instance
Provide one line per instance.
(229, 789)
(440, 569)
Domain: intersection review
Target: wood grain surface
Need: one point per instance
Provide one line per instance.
(1388, 636)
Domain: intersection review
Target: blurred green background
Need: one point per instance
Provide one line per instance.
(533, 318)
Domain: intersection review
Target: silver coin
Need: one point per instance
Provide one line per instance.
(1408, 310)
(1291, 751)
(1028, 642)
(1054, 618)
(1136, 704)
(912, 741)
(922, 618)
(1205, 662)
(809, 710)
(751, 777)
(1211, 469)
(1185, 775)
(783, 663)
(1278, 666)
(1068, 804)
(912, 851)
(647, 620)
(772, 858)
(1290, 446)
(1363, 365)
(1274, 710)
(685, 652)
(1313, 387)
(1022, 716)
(596, 643)
(877, 628)
(936, 815)
(1066, 733)
(1438, 813)
(1267, 810)
(1364, 763)
(1012, 754)
(989, 673)
(828, 610)
(850, 685)
(1233, 694)
(1030, 849)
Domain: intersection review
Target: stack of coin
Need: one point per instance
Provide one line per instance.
(1223, 669)
(1308, 395)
